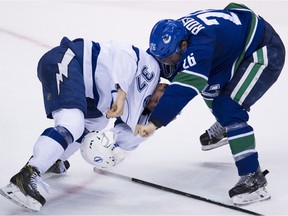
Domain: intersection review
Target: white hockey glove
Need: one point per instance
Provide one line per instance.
(99, 150)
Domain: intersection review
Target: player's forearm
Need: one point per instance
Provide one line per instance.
(118, 106)
(121, 95)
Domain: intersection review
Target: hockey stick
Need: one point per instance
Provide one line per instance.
(193, 196)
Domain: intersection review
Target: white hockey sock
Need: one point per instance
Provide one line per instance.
(71, 149)
(46, 151)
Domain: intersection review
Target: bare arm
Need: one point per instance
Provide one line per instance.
(118, 105)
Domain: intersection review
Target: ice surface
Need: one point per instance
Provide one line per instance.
(172, 157)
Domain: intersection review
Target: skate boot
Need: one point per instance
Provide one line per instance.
(58, 168)
(250, 188)
(22, 189)
(214, 137)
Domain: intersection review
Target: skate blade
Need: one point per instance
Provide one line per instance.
(216, 145)
(260, 194)
(13, 193)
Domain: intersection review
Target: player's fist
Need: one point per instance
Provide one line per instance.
(145, 130)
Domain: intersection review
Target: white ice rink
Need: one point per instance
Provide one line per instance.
(172, 157)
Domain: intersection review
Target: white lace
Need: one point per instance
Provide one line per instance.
(216, 130)
(36, 179)
(62, 167)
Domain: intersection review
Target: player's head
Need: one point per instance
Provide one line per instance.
(166, 38)
(155, 97)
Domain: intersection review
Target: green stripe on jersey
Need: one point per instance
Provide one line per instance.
(249, 38)
(236, 6)
(208, 102)
(191, 79)
(242, 143)
(252, 29)
(250, 77)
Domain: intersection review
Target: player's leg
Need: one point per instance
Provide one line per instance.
(258, 72)
(94, 121)
(61, 166)
(58, 92)
(254, 77)
(251, 186)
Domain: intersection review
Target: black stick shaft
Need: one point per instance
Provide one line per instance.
(160, 187)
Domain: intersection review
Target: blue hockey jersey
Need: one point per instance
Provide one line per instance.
(218, 41)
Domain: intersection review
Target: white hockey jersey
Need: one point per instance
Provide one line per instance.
(134, 70)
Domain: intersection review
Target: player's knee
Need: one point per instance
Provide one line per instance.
(227, 111)
(70, 119)
(75, 131)
(59, 134)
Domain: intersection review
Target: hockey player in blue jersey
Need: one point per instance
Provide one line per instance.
(231, 57)
(80, 81)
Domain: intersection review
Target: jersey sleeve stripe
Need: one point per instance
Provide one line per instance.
(191, 80)
(196, 74)
(185, 85)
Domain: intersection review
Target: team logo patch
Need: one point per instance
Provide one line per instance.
(166, 38)
(49, 96)
(98, 159)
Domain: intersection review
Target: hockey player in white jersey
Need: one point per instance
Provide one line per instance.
(80, 78)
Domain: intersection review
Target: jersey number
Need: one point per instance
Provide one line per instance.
(144, 78)
(232, 17)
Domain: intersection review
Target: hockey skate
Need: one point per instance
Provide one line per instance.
(214, 137)
(22, 189)
(250, 188)
(59, 168)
